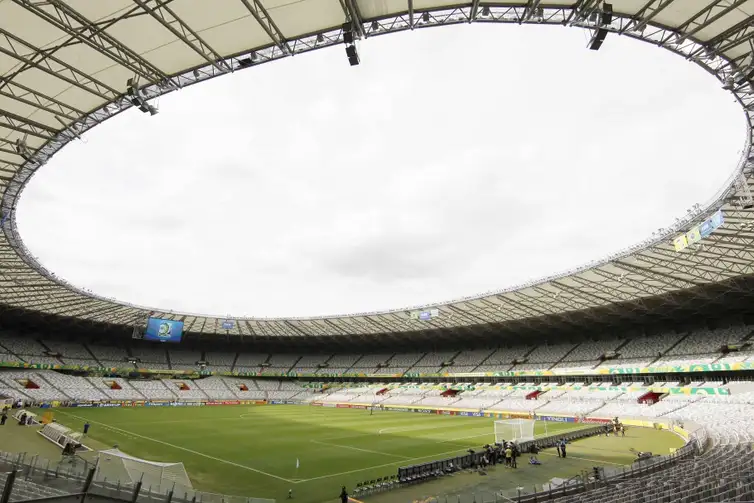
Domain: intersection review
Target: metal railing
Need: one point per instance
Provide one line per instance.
(71, 476)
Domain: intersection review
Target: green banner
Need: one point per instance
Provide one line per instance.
(689, 368)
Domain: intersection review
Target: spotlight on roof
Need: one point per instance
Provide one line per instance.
(22, 149)
(425, 17)
(348, 37)
(137, 98)
(350, 40)
(486, 11)
(604, 19)
(353, 55)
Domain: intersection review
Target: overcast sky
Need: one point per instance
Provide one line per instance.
(451, 162)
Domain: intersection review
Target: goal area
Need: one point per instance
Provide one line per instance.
(516, 430)
(113, 465)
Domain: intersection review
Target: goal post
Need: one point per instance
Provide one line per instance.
(516, 430)
(114, 465)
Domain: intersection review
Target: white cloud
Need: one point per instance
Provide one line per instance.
(450, 162)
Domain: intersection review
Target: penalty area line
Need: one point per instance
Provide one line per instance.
(359, 449)
(220, 460)
(438, 455)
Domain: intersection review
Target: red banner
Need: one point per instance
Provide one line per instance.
(596, 420)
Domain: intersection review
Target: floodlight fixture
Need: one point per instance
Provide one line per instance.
(353, 55)
(138, 98)
(486, 11)
(348, 37)
(604, 18)
(22, 148)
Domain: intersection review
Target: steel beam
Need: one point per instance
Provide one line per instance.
(160, 11)
(257, 10)
(708, 15)
(351, 10)
(43, 60)
(646, 14)
(82, 30)
(531, 7)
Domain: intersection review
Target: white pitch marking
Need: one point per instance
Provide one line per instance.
(382, 466)
(359, 449)
(463, 438)
(601, 461)
(418, 428)
(107, 426)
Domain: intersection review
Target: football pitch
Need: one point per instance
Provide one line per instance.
(253, 450)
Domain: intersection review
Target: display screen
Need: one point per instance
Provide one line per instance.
(227, 325)
(163, 330)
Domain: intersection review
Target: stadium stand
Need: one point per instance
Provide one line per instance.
(184, 359)
(502, 359)
(71, 353)
(153, 358)
(27, 349)
(154, 389)
(432, 362)
(368, 364)
(250, 362)
(310, 363)
(26, 490)
(669, 349)
(220, 362)
(110, 356)
(116, 388)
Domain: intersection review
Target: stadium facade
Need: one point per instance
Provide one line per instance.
(69, 66)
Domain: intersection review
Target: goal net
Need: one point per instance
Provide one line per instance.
(516, 430)
(114, 466)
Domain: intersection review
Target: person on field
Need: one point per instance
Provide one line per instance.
(343, 495)
(563, 447)
(4, 417)
(508, 455)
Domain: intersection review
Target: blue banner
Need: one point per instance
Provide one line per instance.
(163, 330)
(557, 419)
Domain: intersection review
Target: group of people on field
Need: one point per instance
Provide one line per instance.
(502, 452)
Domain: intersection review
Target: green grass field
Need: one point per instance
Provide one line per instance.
(252, 450)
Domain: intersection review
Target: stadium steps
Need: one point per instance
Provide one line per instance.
(563, 357)
(40, 378)
(671, 348)
(93, 356)
(484, 360)
(354, 363)
(622, 344)
(233, 366)
(683, 405)
(24, 490)
(293, 366)
(48, 350)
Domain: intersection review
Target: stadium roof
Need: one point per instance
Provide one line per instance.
(66, 66)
